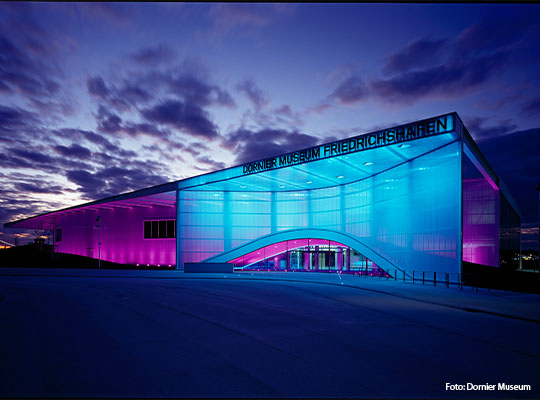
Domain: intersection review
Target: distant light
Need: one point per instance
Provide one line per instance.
(340, 177)
(368, 163)
(309, 182)
(244, 195)
(216, 195)
(404, 146)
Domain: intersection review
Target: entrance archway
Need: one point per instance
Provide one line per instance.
(280, 243)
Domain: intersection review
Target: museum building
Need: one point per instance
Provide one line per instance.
(414, 197)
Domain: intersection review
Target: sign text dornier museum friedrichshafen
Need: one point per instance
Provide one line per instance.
(403, 133)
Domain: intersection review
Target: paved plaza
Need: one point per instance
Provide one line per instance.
(108, 333)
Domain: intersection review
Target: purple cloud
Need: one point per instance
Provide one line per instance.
(254, 145)
(113, 12)
(479, 132)
(38, 187)
(97, 87)
(154, 56)
(186, 117)
(24, 74)
(455, 76)
(231, 14)
(32, 156)
(107, 121)
(531, 107)
(351, 90)
(213, 164)
(416, 54)
(74, 151)
(255, 95)
(121, 98)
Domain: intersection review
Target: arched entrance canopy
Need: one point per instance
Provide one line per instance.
(293, 234)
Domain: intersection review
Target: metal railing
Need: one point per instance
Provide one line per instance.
(415, 277)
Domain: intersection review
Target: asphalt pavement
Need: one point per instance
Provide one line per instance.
(90, 333)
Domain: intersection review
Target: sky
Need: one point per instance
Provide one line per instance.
(98, 99)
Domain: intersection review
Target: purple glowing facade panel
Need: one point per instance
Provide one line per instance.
(122, 234)
(480, 222)
(480, 215)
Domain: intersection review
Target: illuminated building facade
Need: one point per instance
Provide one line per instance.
(418, 196)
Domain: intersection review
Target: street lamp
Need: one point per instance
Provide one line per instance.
(99, 241)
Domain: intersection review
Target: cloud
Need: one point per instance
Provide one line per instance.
(215, 165)
(186, 117)
(24, 74)
(32, 156)
(112, 12)
(444, 68)
(14, 118)
(140, 89)
(38, 187)
(229, 15)
(475, 126)
(121, 98)
(531, 107)
(255, 145)
(351, 90)
(154, 55)
(195, 89)
(108, 121)
(74, 151)
(416, 54)
(97, 87)
(112, 180)
(453, 77)
(495, 32)
(254, 94)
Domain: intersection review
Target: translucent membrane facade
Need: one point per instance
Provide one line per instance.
(417, 197)
(409, 213)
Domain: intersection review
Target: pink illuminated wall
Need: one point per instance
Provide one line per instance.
(480, 218)
(122, 235)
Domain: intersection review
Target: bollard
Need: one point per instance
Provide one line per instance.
(460, 282)
(403, 275)
(447, 279)
(423, 273)
(435, 279)
(395, 274)
(413, 277)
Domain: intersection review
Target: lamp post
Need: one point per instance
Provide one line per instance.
(99, 241)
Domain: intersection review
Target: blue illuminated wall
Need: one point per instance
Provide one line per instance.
(410, 214)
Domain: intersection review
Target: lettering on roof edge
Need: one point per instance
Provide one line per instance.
(403, 133)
